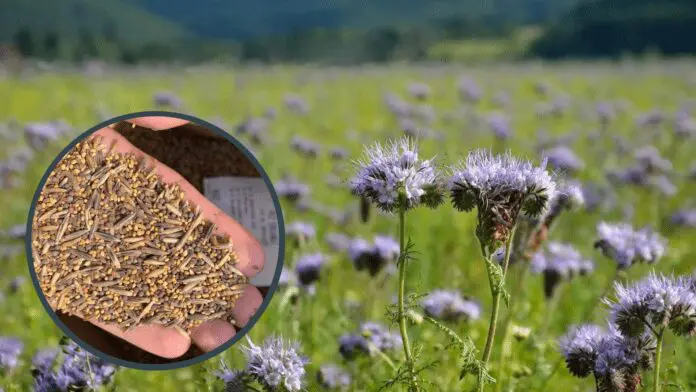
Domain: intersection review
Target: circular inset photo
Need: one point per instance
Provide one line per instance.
(155, 240)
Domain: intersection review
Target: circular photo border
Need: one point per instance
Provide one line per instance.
(259, 311)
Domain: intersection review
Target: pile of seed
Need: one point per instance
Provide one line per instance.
(113, 243)
(188, 151)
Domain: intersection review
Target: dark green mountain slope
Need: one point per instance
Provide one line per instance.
(612, 27)
(244, 19)
(118, 19)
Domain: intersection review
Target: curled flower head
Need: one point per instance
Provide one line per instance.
(276, 363)
(380, 337)
(580, 347)
(653, 302)
(394, 178)
(500, 187)
(627, 246)
(450, 305)
(684, 218)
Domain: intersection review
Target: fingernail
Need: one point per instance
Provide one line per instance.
(181, 331)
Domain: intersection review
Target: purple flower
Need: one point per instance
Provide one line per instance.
(580, 347)
(351, 345)
(605, 112)
(44, 360)
(373, 257)
(300, 232)
(276, 363)
(338, 241)
(685, 126)
(500, 126)
(308, 268)
(664, 185)
(39, 135)
(338, 153)
(10, 350)
(394, 178)
(469, 91)
(626, 246)
(16, 283)
(16, 232)
(652, 302)
(450, 305)
(420, 91)
(296, 104)
(333, 377)
(397, 106)
(167, 99)
(563, 158)
(650, 159)
(559, 262)
(291, 189)
(233, 379)
(380, 336)
(500, 187)
(684, 218)
(652, 118)
(305, 147)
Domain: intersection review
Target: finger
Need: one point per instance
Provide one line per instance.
(158, 123)
(156, 339)
(247, 305)
(212, 334)
(248, 249)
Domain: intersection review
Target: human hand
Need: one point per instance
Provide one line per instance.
(172, 342)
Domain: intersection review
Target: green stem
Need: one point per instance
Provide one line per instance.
(658, 358)
(516, 292)
(496, 293)
(402, 289)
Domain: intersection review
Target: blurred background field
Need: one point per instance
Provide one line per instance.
(286, 91)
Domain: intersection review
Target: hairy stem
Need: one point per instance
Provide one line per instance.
(402, 289)
(658, 358)
(516, 293)
(496, 293)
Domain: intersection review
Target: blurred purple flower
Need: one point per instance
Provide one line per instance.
(167, 99)
(450, 305)
(10, 350)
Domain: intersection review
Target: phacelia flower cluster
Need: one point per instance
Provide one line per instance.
(559, 262)
(614, 360)
(395, 179)
(500, 187)
(451, 306)
(370, 337)
(653, 303)
(79, 370)
(621, 243)
(373, 257)
(276, 363)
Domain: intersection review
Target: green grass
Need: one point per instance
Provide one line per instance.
(351, 99)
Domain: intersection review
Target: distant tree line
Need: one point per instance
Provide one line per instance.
(609, 28)
(379, 44)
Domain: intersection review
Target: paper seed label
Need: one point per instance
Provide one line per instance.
(248, 201)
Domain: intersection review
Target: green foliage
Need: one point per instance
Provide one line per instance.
(611, 28)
